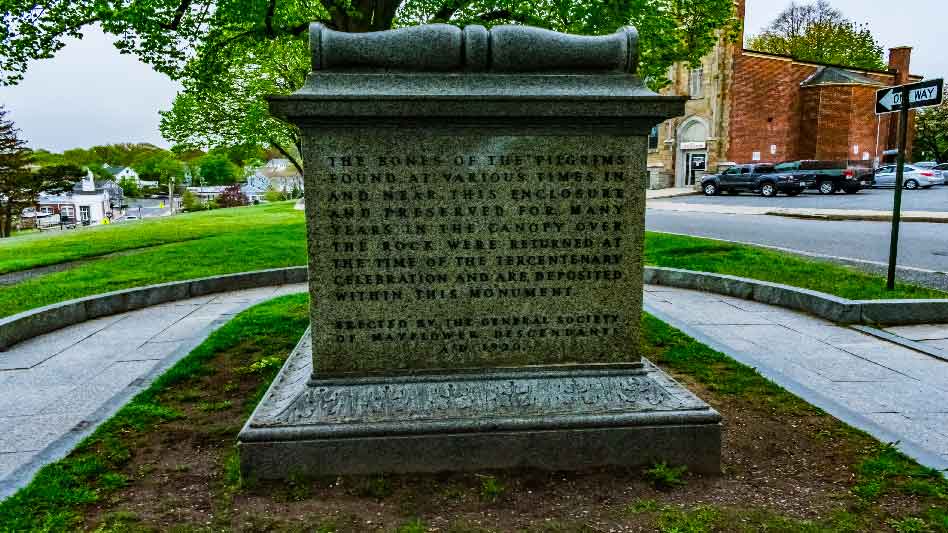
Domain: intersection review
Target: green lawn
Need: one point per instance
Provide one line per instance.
(708, 255)
(270, 236)
(40, 249)
(156, 251)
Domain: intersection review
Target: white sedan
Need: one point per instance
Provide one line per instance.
(914, 178)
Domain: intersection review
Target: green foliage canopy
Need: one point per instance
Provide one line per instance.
(228, 54)
(818, 32)
(217, 169)
(931, 134)
(160, 166)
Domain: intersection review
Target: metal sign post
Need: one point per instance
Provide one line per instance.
(901, 100)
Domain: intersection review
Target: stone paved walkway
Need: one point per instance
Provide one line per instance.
(55, 388)
(892, 392)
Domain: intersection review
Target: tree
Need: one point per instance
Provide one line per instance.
(818, 32)
(160, 166)
(229, 54)
(19, 187)
(98, 171)
(130, 188)
(931, 134)
(189, 201)
(14, 175)
(217, 169)
(232, 197)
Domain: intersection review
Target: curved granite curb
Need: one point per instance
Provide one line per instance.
(834, 308)
(29, 324)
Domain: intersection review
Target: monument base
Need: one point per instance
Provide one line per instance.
(565, 417)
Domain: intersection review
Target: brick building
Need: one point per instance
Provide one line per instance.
(748, 106)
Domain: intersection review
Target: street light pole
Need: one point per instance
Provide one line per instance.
(171, 195)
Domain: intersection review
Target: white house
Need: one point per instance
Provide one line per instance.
(277, 175)
(254, 193)
(208, 192)
(128, 173)
(88, 203)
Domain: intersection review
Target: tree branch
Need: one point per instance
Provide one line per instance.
(178, 15)
(502, 14)
(448, 10)
(299, 167)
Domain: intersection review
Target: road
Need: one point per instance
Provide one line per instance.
(921, 245)
(934, 199)
(149, 208)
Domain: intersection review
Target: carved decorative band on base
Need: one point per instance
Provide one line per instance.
(340, 416)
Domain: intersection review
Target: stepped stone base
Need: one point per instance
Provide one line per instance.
(549, 417)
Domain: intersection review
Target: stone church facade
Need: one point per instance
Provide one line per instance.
(747, 107)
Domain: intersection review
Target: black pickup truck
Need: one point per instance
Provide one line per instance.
(761, 178)
(828, 176)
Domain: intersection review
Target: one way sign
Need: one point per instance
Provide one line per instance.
(922, 94)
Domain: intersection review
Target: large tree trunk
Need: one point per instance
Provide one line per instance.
(364, 15)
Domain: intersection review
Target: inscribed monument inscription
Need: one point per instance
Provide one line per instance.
(475, 203)
(475, 250)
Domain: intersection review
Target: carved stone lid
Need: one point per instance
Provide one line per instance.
(445, 48)
(504, 74)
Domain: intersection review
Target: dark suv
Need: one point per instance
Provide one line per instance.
(752, 178)
(828, 176)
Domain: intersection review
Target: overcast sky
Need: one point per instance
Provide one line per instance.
(89, 94)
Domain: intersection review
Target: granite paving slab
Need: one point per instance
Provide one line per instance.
(10, 461)
(82, 374)
(923, 332)
(890, 391)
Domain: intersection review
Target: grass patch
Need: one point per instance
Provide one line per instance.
(41, 249)
(664, 477)
(191, 245)
(61, 491)
(706, 255)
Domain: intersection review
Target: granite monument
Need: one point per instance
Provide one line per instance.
(475, 202)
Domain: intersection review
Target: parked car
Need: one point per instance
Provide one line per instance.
(925, 164)
(941, 170)
(828, 176)
(914, 177)
(752, 178)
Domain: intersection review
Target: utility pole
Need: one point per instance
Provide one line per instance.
(171, 195)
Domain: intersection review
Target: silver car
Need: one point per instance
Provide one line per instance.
(941, 170)
(915, 177)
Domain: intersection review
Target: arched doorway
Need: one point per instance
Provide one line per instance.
(692, 161)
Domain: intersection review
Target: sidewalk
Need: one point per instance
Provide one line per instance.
(822, 214)
(654, 194)
(55, 388)
(891, 392)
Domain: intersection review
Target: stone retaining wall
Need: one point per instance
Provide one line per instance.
(34, 322)
(29, 324)
(833, 308)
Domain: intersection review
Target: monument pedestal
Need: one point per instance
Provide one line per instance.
(563, 417)
(475, 205)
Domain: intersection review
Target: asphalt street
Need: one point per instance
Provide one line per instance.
(933, 199)
(149, 207)
(922, 245)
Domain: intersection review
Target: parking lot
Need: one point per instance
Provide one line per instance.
(934, 199)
